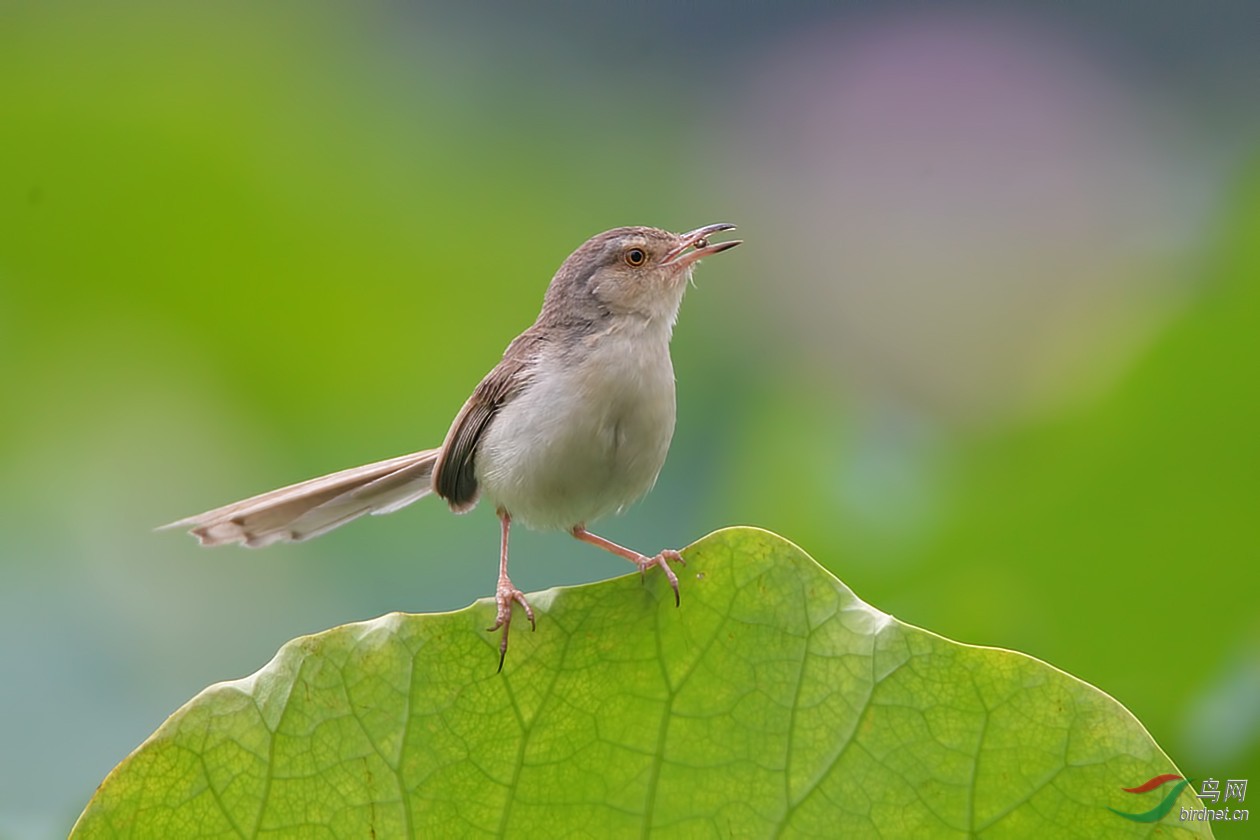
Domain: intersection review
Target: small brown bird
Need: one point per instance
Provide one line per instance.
(573, 424)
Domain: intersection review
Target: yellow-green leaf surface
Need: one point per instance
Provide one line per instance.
(773, 702)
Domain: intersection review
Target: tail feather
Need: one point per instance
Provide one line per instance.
(310, 508)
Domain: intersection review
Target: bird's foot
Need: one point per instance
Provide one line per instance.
(504, 597)
(643, 562)
(663, 560)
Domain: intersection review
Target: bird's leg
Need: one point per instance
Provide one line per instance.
(506, 594)
(642, 561)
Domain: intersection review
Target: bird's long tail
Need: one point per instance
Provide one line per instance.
(314, 507)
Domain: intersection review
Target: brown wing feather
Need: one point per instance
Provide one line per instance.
(454, 476)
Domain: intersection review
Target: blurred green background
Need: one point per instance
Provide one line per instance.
(990, 351)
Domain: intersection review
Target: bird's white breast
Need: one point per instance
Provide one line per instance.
(587, 437)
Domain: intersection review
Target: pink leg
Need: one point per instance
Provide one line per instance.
(506, 594)
(643, 562)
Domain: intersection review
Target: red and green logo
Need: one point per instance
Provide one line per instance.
(1159, 811)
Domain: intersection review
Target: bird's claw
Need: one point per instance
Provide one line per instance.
(663, 560)
(504, 597)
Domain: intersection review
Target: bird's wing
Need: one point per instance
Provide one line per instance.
(454, 476)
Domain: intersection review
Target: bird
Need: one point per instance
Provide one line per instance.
(572, 424)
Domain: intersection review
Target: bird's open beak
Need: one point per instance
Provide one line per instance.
(698, 241)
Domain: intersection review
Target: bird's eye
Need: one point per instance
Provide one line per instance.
(635, 256)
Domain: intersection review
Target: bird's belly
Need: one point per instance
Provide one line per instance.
(575, 446)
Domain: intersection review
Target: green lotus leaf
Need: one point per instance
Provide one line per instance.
(773, 702)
